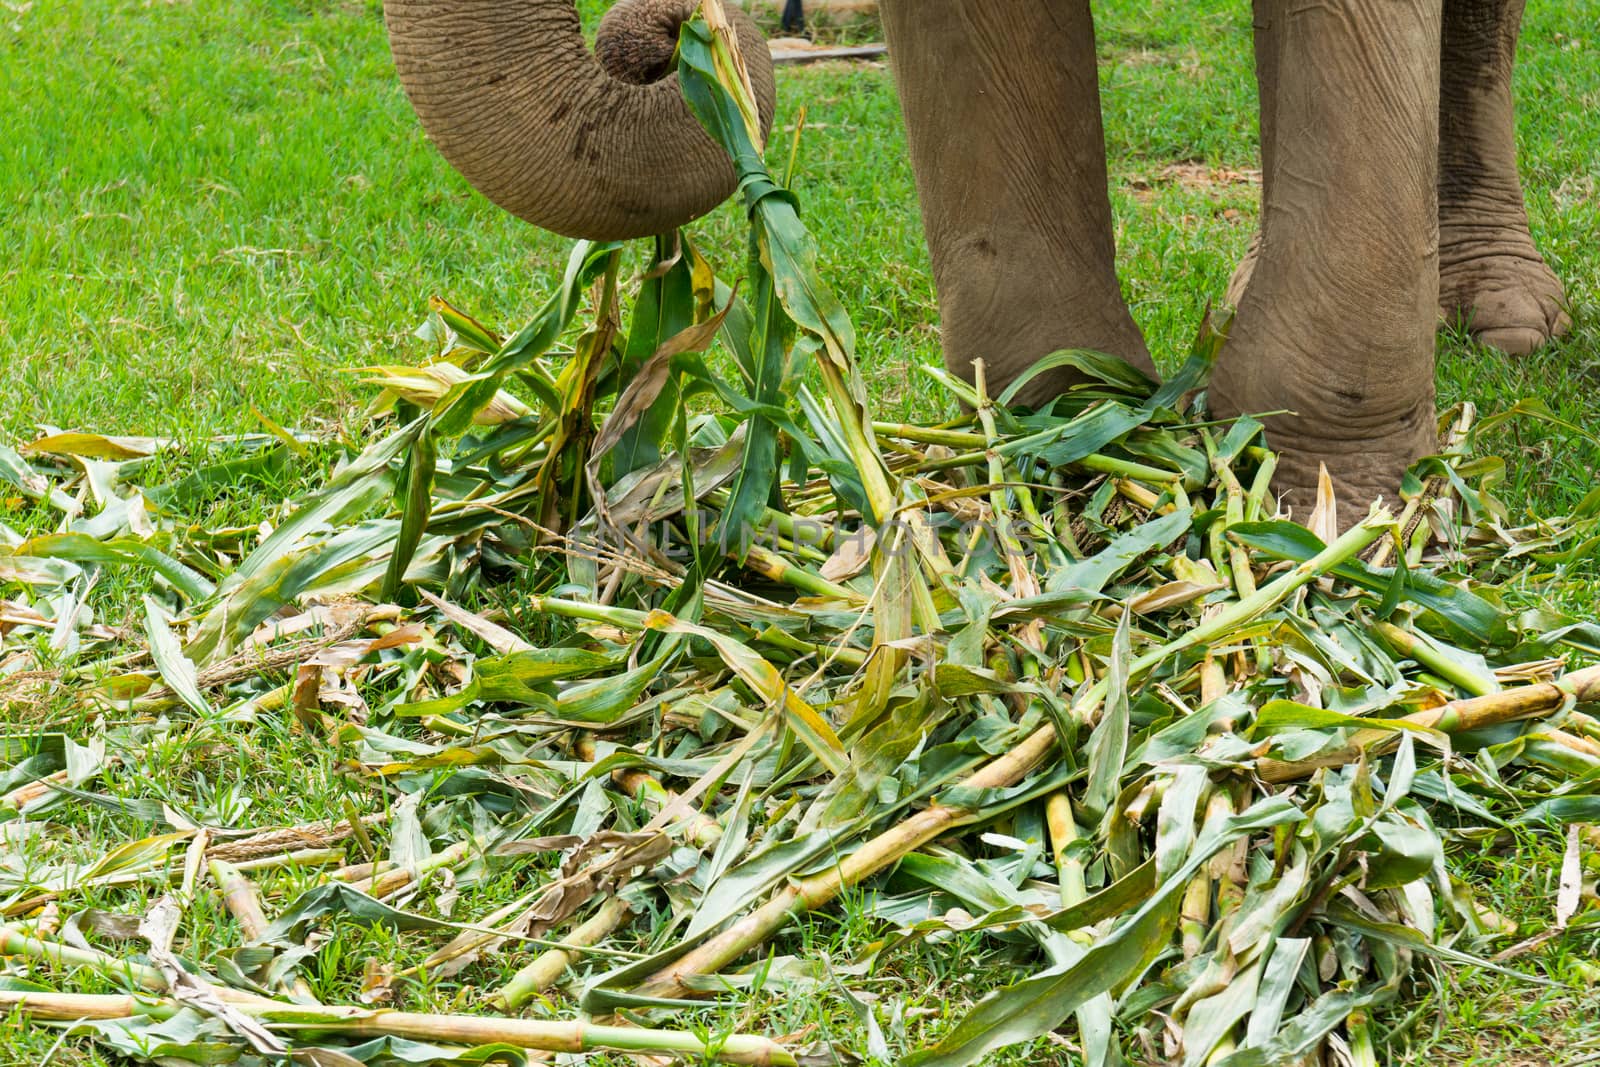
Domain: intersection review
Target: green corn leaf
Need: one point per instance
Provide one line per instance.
(1118, 898)
(143, 854)
(1277, 986)
(1562, 811)
(663, 308)
(1108, 745)
(1305, 1032)
(1465, 611)
(757, 478)
(1067, 442)
(415, 506)
(757, 874)
(29, 570)
(1281, 716)
(768, 683)
(175, 668)
(350, 904)
(1175, 819)
(1094, 573)
(1210, 1019)
(352, 492)
(516, 678)
(262, 467)
(346, 558)
(118, 552)
(16, 471)
(789, 254)
(467, 329)
(1034, 1006)
(1095, 365)
(453, 415)
(607, 699)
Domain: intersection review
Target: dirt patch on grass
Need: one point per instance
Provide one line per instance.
(1201, 177)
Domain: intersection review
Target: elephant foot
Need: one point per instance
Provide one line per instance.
(1502, 292)
(1500, 289)
(1492, 278)
(1365, 429)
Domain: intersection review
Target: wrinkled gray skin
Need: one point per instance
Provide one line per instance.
(1390, 189)
(597, 145)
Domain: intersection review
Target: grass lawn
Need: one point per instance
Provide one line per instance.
(210, 210)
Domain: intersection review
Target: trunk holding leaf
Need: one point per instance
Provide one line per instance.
(594, 145)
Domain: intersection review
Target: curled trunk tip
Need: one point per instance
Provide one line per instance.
(593, 145)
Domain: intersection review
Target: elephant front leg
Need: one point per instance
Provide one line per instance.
(1337, 323)
(1492, 278)
(1002, 110)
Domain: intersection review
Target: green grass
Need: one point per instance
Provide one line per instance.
(210, 207)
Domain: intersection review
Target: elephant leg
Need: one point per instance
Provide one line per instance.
(1002, 110)
(1337, 324)
(1492, 278)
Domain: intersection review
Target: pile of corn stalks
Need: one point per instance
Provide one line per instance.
(1060, 676)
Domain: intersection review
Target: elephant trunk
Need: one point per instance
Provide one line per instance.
(600, 148)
